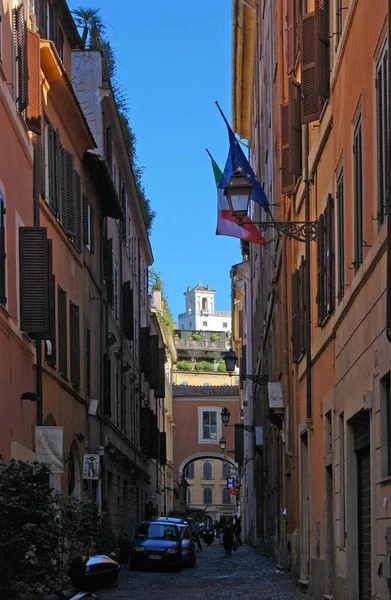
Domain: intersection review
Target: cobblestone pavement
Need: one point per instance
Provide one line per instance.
(246, 574)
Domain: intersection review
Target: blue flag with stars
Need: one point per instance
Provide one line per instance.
(237, 160)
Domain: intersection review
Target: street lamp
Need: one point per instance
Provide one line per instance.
(223, 443)
(225, 415)
(238, 192)
(230, 360)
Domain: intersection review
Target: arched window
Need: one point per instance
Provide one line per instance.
(189, 495)
(207, 470)
(184, 383)
(206, 383)
(226, 496)
(189, 471)
(207, 495)
(204, 304)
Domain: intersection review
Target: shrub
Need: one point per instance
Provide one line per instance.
(214, 337)
(204, 365)
(184, 365)
(222, 368)
(196, 336)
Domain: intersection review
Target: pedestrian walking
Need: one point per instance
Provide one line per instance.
(238, 531)
(228, 539)
(196, 534)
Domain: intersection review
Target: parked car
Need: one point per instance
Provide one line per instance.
(189, 558)
(162, 543)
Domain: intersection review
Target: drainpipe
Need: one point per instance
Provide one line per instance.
(388, 318)
(308, 278)
(38, 343)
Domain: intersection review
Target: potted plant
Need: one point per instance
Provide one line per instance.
(196, 336)
(214, 337)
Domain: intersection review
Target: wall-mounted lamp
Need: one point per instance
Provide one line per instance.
(230, 360)
(30, 396)
(225, 416)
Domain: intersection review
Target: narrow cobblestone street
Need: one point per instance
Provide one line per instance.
(246, 574)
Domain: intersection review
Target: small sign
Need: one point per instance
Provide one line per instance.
(230, 483)
(91, 466)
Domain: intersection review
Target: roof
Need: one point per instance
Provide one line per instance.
(200, 288)
(107, 193)
(205, 390)
(243, 63)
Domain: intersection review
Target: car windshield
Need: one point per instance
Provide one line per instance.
(158, 531)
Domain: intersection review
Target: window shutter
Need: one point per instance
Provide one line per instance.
(239, 445)
(58, 176)
(287, 178)
(162, 448)
(21, 38)
(154, 447)
(329, 257)
(311, 102)
(290, 31)
(55, 27)
(322, 54)
(34, 284)
(51, 337)
(295, 153)
(154, 361)
(320, 260)
(160, 389)
(128, 316)
(145, 430)
(92, 228)
(33, 113)
(70, 219)
(44, 151)
(3, 299)
(341, 235)
(110, 273)
(62, 332)
(79, 224)
(302, 327)
(295, 316)
(145, 349)
(358, 208)
(88, 363)
(74, 334)
(85, 221)
(41, 16)
(107, 385)
(52, 167)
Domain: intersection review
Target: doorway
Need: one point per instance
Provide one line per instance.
(362, 450)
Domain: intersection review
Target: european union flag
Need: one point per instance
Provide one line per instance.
(240, 162)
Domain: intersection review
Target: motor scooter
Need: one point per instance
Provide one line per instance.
(86, 574)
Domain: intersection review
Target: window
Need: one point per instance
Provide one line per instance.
(189, 471)
(88, 225)
(325, 259)
(358, 195)
(88, 363)
(225, 470)
(385, 405)
(115, 300)
(207, 470)
(3, 298)
(291, 138)
(207, 495)
(74, 336)
(62, 333)
(299, 320)
(225, 325)
(341, 234)
(382, 131)
(342, 480)
(205, 323)
(209, 424)
(226, 496)
(190, 324)
(338, 22)
(189, 495)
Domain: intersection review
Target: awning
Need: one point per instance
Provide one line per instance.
(276, 400)
(105, 188)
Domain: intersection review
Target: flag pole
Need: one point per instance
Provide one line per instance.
(223, 115)
(211, 157)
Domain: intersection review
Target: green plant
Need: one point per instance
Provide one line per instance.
(214, 337)
(165, 317)
(204, 365)
(196, 336)
(222, 368)
(184, 365)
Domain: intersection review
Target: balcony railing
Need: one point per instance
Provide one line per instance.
(219, 345)
(206, 313)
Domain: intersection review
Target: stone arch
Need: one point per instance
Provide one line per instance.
(203, 455)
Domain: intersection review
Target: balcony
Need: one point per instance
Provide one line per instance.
(183, 344)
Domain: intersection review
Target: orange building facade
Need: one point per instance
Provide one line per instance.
(310, 94)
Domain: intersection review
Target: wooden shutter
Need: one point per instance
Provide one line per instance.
(85, 221)
(74, 335)
(295, 316)
(145, 349)
(107, 385)
(162, 448)
(329, 257)
(62, 332)
(290, 31)
(154, 447)
(320, 261)
(295, 128)
(88, 363)
(59, 178)
(55, 27)
(69, 220)
(128, 317)
(3, 299)
(110, 273)
(302, 321)
(22, 41)
(44, 150)
(145, 430)
(33, 112)
(41, 16)
(322, 47)
(341, 235)
(154, 361)
(287, 178)
(78, 215)
(51, 337)
(92, 229)
(52, 167)
(358, 198)
(311, 102)
(160, 389)
(34, 284)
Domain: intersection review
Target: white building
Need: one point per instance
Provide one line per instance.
(200, 312)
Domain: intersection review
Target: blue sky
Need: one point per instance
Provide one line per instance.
(174, 62)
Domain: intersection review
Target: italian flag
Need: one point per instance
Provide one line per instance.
(226, 223)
